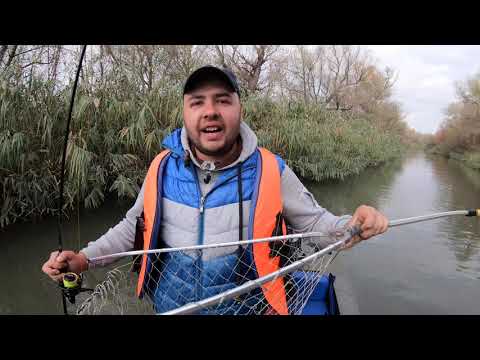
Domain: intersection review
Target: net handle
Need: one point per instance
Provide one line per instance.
(211, 246)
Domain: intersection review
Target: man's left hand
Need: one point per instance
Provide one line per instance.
(371, 223)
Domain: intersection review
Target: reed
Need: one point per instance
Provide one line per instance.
(115, 133)
(321, 144)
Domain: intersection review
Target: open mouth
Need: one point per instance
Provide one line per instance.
(211, 129)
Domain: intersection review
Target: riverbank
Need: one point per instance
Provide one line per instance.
(470, 158)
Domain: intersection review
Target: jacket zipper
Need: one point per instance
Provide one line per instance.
(198, 288)
(199, 292)
(199, 267)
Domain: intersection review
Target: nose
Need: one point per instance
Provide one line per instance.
(210, 110)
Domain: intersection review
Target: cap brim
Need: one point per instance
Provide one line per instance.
(205, 74)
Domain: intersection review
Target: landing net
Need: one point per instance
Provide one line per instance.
(220, 279)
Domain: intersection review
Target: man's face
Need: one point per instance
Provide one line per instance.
(212, 116)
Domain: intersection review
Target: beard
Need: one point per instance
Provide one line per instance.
(224, 150)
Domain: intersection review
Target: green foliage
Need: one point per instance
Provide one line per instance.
(112, 141)
(320, 144)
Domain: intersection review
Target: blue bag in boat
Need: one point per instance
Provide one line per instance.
(323, 300)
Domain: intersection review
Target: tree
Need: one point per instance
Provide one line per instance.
(248, 62)
(326, 74)
(461, 127)
(308, 79)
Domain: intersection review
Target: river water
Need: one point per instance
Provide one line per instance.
(425, 268)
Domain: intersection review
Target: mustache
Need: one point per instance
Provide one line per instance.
(211, 122)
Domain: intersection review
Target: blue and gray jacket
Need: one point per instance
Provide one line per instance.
(195, 213)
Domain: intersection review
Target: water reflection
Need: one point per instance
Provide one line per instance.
(419, 268)
(460, 189)
(342, 197)
(25, 247)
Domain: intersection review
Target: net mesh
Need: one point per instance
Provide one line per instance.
(214, 280)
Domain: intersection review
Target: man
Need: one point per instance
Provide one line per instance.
(210, 182)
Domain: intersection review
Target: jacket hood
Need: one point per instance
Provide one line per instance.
(173, 142)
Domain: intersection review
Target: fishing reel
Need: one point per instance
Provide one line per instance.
(71, 286)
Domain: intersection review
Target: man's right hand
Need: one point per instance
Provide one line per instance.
(64, 262)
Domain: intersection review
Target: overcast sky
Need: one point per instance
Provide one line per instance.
(426, 78)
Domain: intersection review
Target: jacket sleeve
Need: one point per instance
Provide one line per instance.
(119, 238)
(302, 211)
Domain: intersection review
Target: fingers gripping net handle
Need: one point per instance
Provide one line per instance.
(219, 280)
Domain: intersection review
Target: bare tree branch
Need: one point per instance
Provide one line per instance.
(11, 56)
(27, 51)
(3, 50)
(34, 63)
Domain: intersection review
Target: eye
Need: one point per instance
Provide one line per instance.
(224, 101)
(195, 103)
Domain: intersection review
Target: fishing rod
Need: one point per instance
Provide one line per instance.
(471, 212)
(71, 282)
